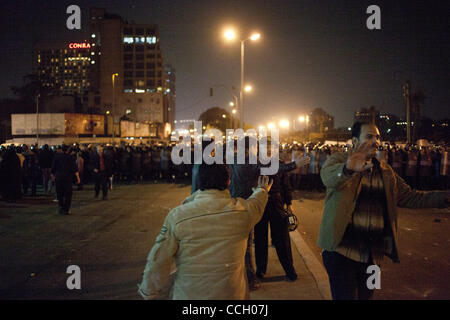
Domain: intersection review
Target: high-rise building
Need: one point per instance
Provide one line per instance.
(66, 68)
(132, 53)
(118, 71)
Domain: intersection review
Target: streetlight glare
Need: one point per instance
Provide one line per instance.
(224, 116)
(234, 111)
(248, 88)
(301, 119)
(271, 125)
(255, 36)
(231, 104)
(230, 34)
(284, 123)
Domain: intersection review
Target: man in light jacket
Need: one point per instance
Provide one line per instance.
(206, 238)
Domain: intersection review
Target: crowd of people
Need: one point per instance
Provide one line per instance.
(229, 190)
(422, 167)
(23, 168)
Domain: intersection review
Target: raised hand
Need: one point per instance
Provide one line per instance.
(358, 160)
(263, 182)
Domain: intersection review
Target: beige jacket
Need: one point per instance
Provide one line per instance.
(206, 238)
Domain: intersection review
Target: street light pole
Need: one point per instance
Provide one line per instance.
(113, 107)
(241, 94)
(230, 35)
(37, 118)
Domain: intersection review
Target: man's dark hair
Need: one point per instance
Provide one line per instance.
(356, 128)
(213, 176)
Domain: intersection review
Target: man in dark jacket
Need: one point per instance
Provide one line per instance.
(244, 177)
(10, 175)
(279, 195)
(102, 165)
(64, 167)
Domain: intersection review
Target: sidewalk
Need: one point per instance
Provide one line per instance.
(312, 282)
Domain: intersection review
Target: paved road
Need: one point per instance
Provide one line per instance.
(108, 241)
(424, 245)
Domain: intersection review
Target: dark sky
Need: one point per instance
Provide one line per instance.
(311, 54)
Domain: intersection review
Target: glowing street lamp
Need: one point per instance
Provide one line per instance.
(234, 111)
(271, 125)
(301, 119)
(230, 35)
(255, 36)
(231, 104)
(284, 124)
(248, 88)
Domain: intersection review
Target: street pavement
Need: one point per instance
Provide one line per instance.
(109, 240)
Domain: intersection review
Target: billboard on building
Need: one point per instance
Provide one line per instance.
(76, 123)
(26, 124)
(134, 129)
(68, 124)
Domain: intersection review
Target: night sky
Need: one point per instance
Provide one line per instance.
(311, 54)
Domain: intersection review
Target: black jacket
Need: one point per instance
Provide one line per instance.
(64, 167)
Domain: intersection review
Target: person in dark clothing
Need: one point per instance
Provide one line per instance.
(64, 168)
(10, 175)
(279, 195)
(244, 177)
(195, 185)
(136, 165)
(45, 162)
(102, 165)
(31, 171)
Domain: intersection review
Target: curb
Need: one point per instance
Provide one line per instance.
(313, 265)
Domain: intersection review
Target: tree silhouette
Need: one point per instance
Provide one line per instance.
(213, 117)
(33, 86)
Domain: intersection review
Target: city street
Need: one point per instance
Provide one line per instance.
(424, 249)
(109, 241)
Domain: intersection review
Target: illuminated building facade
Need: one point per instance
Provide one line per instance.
(65, 68)
(133, 52)
(143, 91)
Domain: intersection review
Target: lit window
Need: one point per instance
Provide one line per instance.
(128, 90)
(140, 90)
(151, 40)
(140, 39)
(128, 39)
